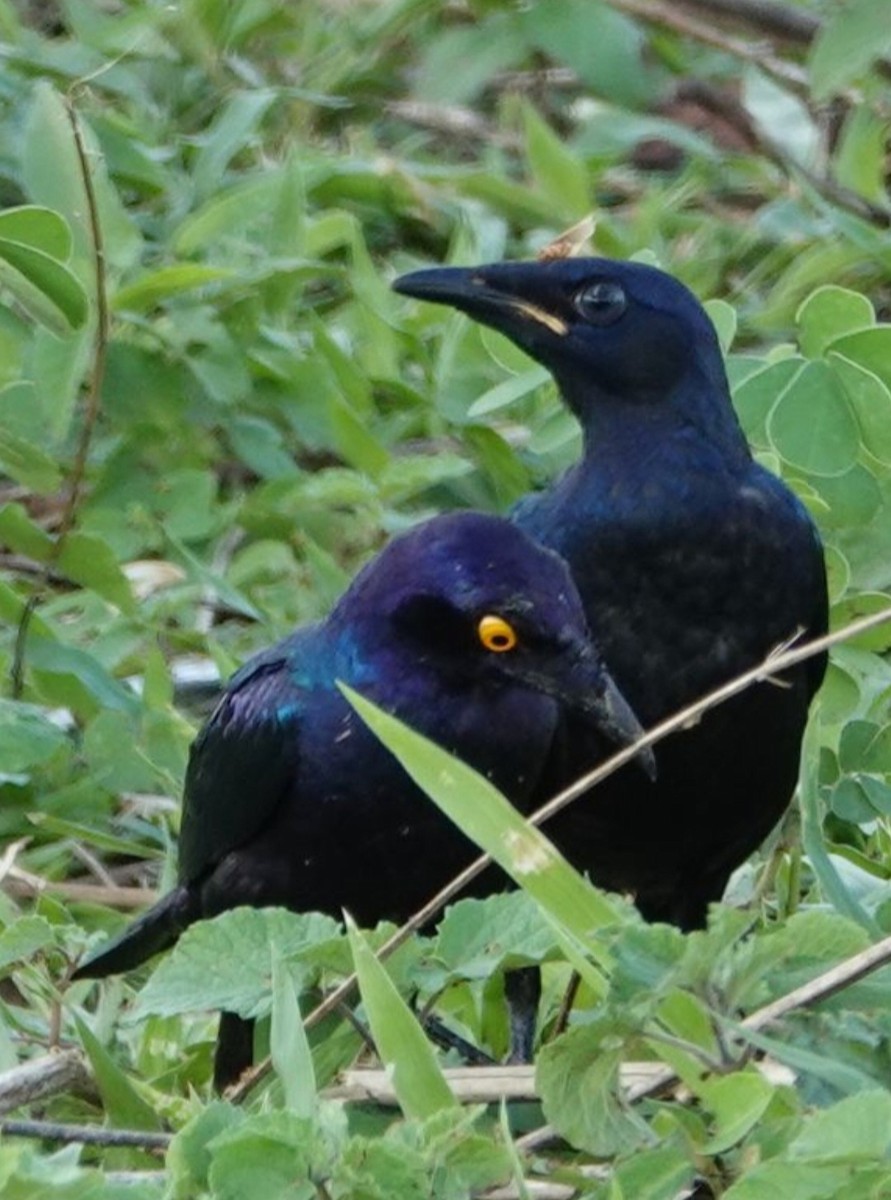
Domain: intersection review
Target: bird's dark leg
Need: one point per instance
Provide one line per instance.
(235, 1050)
(522, 991)
(566, 1004)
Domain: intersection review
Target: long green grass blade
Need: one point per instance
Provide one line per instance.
(417, 1079)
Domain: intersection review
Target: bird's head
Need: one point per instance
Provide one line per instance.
(620, 329)
(476, 601)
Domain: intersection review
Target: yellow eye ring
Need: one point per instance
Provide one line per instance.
(496, 634)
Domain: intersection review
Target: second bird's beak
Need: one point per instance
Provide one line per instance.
(583, 686)
(500, 295)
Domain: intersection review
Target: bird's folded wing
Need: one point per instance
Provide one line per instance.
(244, 761)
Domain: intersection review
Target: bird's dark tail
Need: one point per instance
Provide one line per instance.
(151, 933)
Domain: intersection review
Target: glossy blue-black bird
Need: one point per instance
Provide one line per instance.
(466, 629)
(693, 563)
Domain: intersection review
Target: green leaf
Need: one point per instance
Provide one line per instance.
(851, 39)
(756, 394)
(401, 1043)
(831, 882)
(558, 174)
(108, 741)
(782, 116)
(870, 399)
(865, 746)
(227, 962)
(811, 425)
(864, 604)
(662, 1174)
(20, 533)
(210, 578)
(477, 937)
(857, 1128)
(723, 317)
(227, 213)
(123, 1104)
(260, 445)
(851, 802)
(41, 228)
(97, 839)
(269, 1155)
(860, 154)
(90, 561)
(604, 47)
(157, 286)
(791, 1181)
(377, 1168)
(50, 292)
(829, 313)
(869, 349)
(288, 1046)
(737, 1102)
(577, 1076)
(190, 1155)
(27, 463)
(27, 737)
(508, 391)
(408, 475)
(23, 939)
(58, 371)
(238, 117)
(853, 499)
(461, 60)
(646, 961)
(560, 432)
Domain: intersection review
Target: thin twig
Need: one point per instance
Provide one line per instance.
(778, 20)
(836, 979)
(454, 120)
(667, 17)
(91, 862)
(765, 671)
(23, 885)
(94, 1135)
(91, 410)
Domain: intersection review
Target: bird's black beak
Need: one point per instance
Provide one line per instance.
(507, 296)
(579, 682)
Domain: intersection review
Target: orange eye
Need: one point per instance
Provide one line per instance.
(496, 634)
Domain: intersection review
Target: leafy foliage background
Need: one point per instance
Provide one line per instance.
(269, 413)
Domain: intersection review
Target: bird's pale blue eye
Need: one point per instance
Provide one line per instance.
(601, 303)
